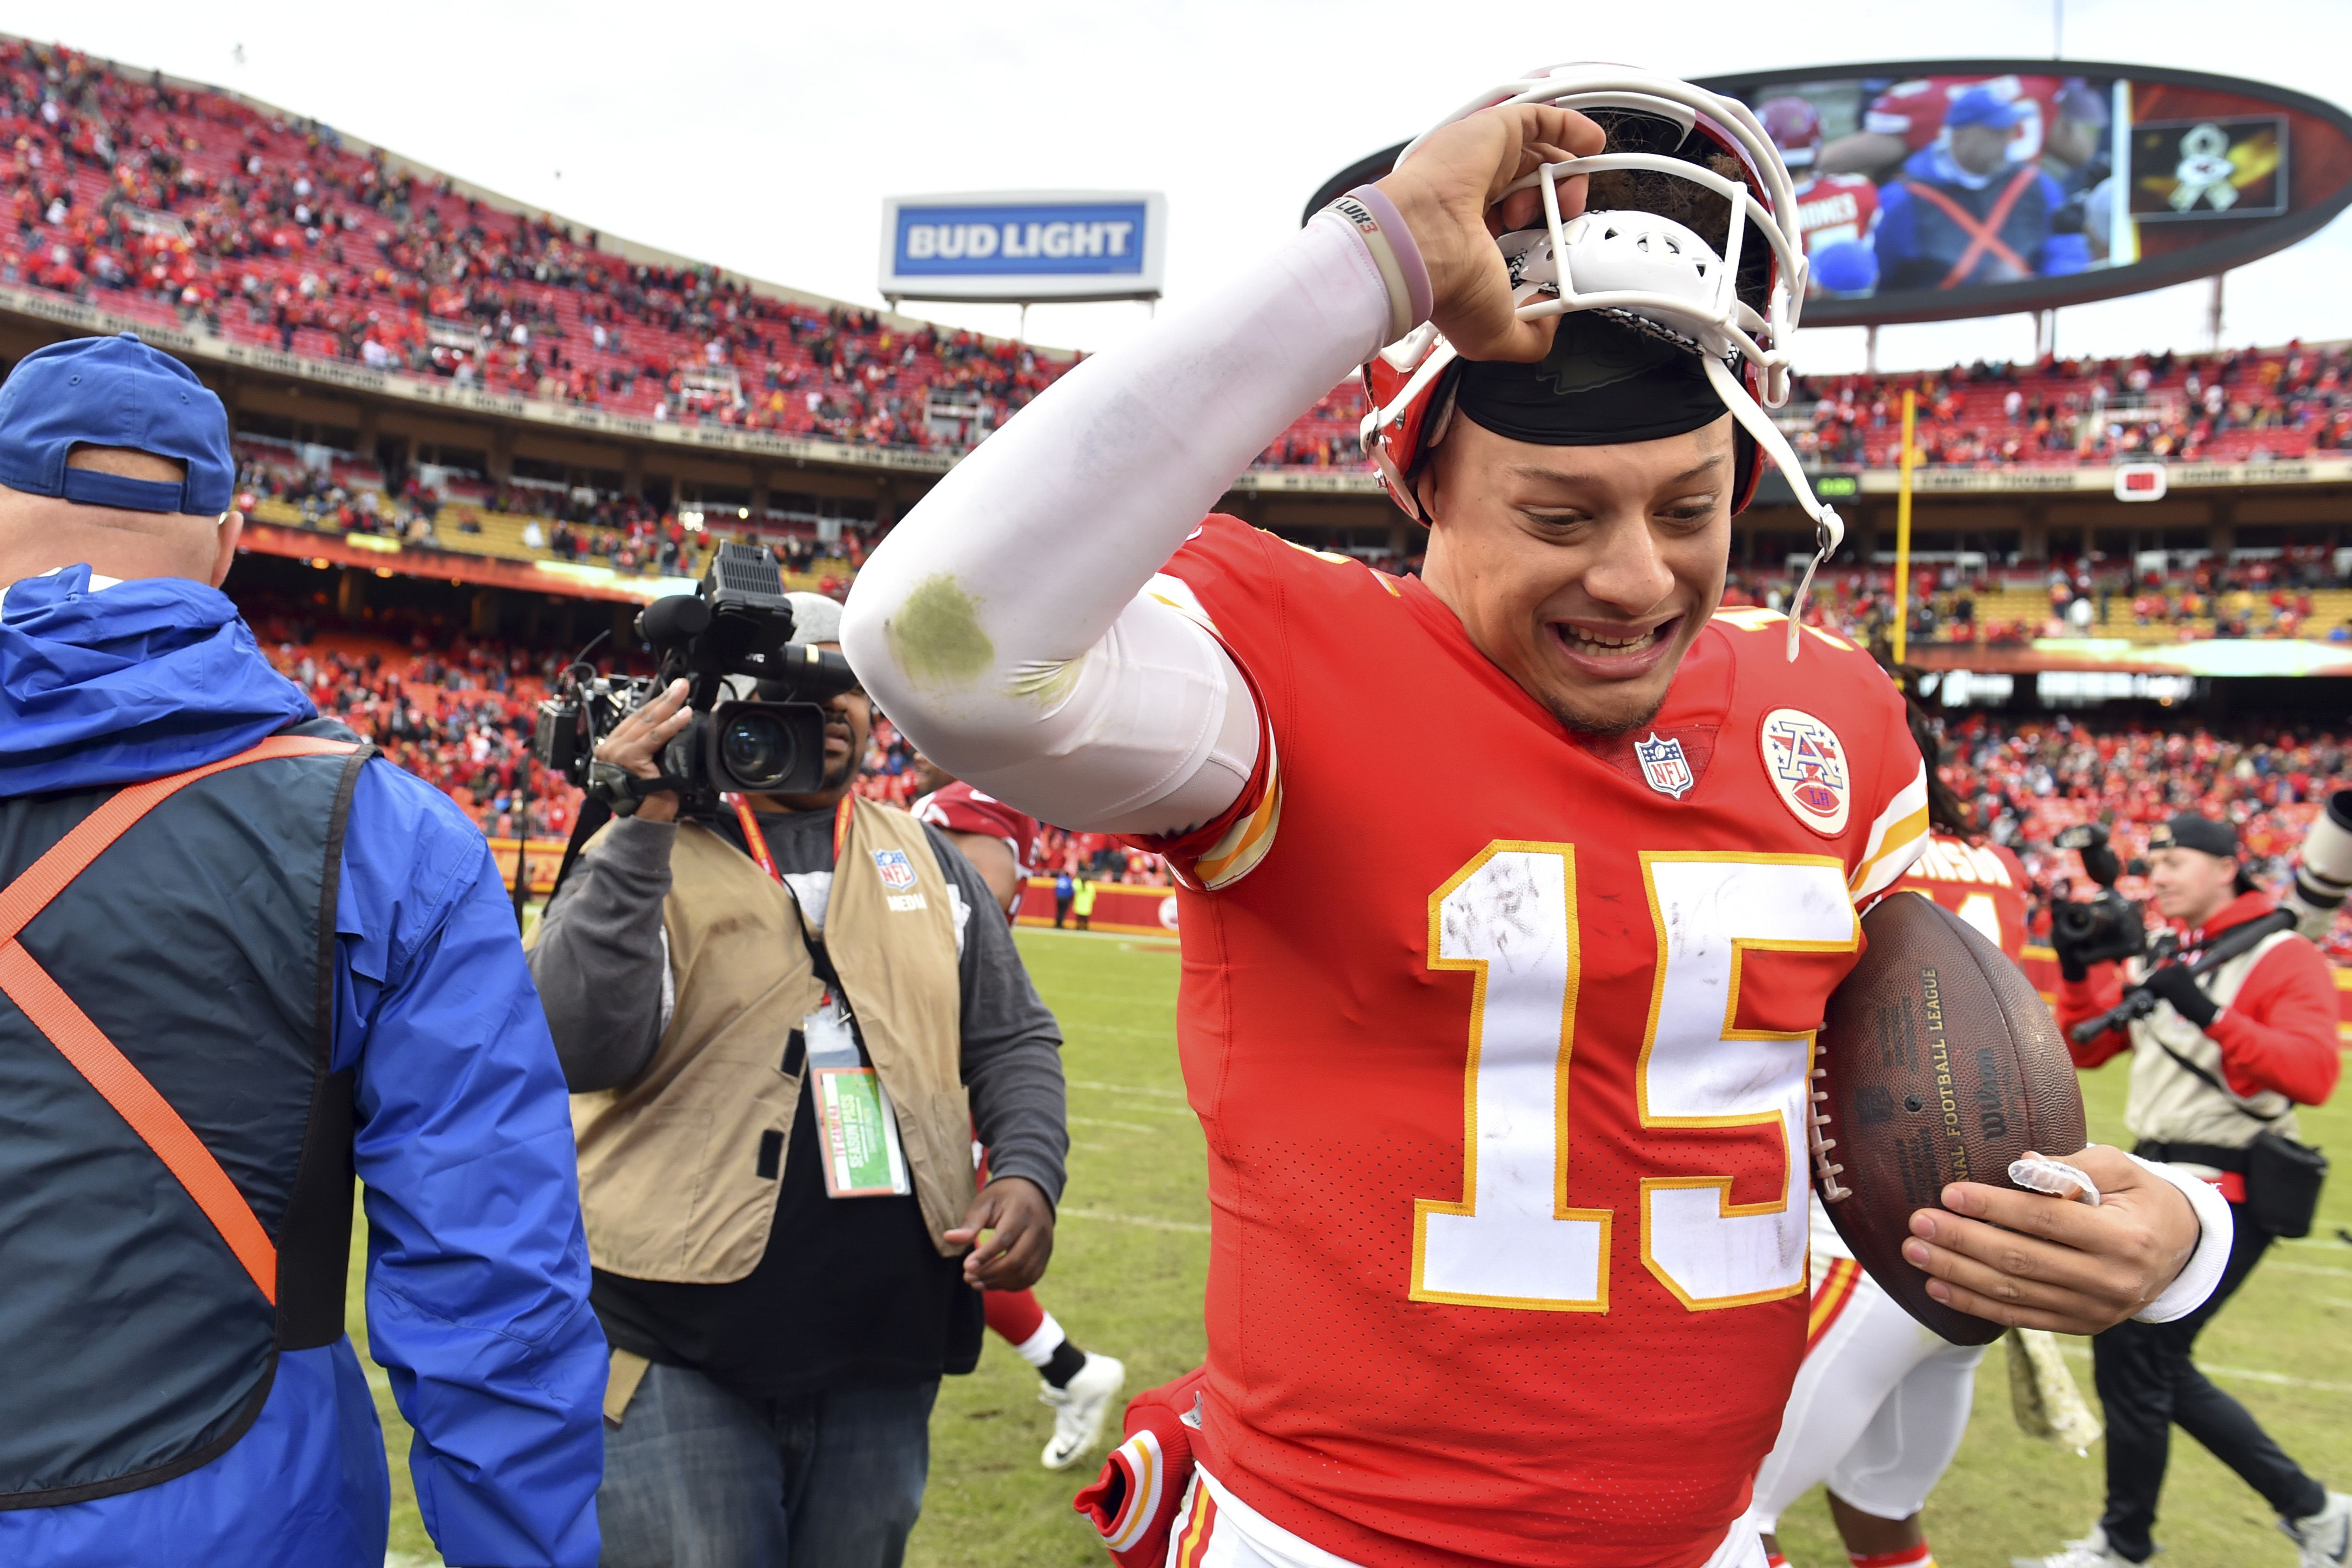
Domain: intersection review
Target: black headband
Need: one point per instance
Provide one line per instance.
(1603, 383)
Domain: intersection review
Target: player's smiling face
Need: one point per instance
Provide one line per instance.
(1584, 573)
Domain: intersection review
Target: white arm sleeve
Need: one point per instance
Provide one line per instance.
(1000, 624)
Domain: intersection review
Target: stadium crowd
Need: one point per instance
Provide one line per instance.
(189, 206)
(184, 206)
(2026, 779)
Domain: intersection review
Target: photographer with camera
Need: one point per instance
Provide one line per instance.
(2227, 1035)
(786, 1017)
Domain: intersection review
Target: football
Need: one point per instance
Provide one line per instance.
(1937, 1062)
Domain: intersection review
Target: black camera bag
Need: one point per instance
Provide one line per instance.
(2282, 1177)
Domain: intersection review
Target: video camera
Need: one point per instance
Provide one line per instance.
(2110, 926)
(736, 624)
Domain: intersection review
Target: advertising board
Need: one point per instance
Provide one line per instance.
(1025, 247)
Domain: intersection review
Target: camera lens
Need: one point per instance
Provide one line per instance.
(757, 748)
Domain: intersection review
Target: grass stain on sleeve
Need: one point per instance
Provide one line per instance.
(936, 635)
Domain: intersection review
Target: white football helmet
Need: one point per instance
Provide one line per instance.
(1640, 267)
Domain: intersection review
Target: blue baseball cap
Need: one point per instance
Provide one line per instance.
(113, 391)
(1977, 106)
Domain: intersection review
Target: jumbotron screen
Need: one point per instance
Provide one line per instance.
(1954, 189)
(1934, 189)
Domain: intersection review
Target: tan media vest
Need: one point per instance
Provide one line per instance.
(2170, 1104)
(669, 1182)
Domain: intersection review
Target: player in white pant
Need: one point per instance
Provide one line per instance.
(1878, 1411)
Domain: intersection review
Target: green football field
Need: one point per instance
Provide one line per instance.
(1131, 1256)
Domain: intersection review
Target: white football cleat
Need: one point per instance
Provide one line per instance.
(1080, 1409)
(2326, 1537)
(2091, 1552)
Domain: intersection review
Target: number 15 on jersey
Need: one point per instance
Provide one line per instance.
(1515, 1240)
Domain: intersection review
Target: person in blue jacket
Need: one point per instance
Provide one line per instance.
(1963, 213)
(180, 1388)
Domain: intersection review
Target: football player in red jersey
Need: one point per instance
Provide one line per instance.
(1078, 1386)
(1505, 1163)
(1881, 1403)
(1829, 207)
(998, 838)
(1909, 116)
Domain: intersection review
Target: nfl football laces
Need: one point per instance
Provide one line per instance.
(1643, 270)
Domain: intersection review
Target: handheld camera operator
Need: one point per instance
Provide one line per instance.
(2229, 1030)
(785, 1014)
(241, 961)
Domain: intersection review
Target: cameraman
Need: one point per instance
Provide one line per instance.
(777, 1348)
(2221, 1061)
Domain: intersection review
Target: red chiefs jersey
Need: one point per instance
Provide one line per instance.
(1984, 884)
(959, 808)
(1830, 207)
(1915, 109)
(1499, 1038)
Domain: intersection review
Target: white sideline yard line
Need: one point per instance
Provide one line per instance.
(1111, 1218)
(1105, 1121)
(1125, 1088)
(2242, 1373)
(2313, 1268)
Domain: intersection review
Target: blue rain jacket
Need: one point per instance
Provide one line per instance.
(476, 1266)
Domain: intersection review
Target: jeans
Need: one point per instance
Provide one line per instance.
(698, 1477)
(2148, 1384)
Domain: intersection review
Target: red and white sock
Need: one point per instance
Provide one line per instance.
(1774, 1559)
(1919, 1557)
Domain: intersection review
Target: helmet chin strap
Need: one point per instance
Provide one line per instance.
(1829, 529)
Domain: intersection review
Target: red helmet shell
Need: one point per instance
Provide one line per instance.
(1795, 127)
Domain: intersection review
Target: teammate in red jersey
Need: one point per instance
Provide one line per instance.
(1881, 1403)
(1909, 116)
(1507, 1250)
(999, 839)
(1831, 208)
(1078, 1386)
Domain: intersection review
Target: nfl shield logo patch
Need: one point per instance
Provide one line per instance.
(1663, 766)
(895, 873)
(1806, 763)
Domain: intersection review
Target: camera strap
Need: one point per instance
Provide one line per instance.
(2236, 1104)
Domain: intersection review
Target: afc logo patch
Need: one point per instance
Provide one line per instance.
(897, 874)
(1663, 766)
(1807, 764)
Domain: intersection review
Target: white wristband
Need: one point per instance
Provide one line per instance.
(2217, 1230)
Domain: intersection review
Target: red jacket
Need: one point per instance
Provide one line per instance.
(2279, 1033)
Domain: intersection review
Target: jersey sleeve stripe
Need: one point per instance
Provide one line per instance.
(1139, 1456)
(1896, 839)
(1236, 854)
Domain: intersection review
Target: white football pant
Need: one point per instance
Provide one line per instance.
(1879, 1407)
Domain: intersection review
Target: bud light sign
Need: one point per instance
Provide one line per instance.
(1038, 245)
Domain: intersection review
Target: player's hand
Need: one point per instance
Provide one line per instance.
(1449, 195)
(636, 743)
(1019, 1224)
(2033, 1260)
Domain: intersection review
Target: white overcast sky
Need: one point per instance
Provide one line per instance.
(765, 136)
